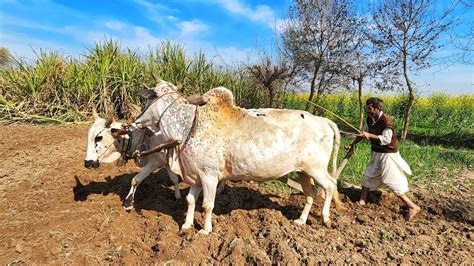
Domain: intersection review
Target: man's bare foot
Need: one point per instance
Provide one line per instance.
(412, 212)
(361, 202)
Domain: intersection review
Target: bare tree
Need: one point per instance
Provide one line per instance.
(316, 40)
(269, 76)
(365, 65)
(408, 32)
(463, 38)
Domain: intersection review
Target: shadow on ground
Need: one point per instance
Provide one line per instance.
(156, 193)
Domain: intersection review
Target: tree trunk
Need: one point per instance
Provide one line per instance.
(361, 107)
(270, 97)
(319, 93)
(411, 98)
(313, 82)
(311, 92)
(316, 110)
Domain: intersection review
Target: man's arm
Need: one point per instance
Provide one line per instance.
(384, 139)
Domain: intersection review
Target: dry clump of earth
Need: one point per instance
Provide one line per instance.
(56, 211)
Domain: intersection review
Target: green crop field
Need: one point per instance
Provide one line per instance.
(57, 89)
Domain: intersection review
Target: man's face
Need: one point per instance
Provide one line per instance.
(372, 111)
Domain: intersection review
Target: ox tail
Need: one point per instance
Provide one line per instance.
(335, 149)
(337, 141)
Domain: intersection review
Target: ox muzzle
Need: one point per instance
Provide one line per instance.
(91, 164)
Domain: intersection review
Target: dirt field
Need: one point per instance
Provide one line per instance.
(56, 211)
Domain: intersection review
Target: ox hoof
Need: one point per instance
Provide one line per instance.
(327, 223)
(203, 232)
(128, 208)
(299, 221)
(186, 226)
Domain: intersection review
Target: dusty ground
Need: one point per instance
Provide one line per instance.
(56, 211)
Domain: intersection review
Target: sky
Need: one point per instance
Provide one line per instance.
(226, 30)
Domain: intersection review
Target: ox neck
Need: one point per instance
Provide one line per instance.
(175, 117)
(127, 144)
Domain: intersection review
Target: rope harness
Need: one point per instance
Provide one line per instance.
(106, 149)
(178, 144)
(125, 151)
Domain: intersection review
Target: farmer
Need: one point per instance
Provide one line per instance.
(386, 166)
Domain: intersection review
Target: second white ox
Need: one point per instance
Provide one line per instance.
(103, 148)
(224, 142)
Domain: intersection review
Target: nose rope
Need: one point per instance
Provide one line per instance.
(108, 147)
(124, 151)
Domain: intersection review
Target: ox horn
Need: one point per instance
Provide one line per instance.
(156, 78)
(94, 112)
(110, 119)
(179, 87)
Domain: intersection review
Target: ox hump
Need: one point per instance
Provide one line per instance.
(220, 97)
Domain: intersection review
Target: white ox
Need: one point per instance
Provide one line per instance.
(231, 143)
(104, 145)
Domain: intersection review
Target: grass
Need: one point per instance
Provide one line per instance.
(55, 89)
(278, 186)
(433, 166)
(439, 119)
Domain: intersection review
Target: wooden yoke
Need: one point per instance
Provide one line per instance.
(162, 146)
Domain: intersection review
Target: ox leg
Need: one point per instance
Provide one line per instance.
(175, 179)
(209, 193)
(191, 198)
(309, 193)
(136, 180)
(335, 198)
(329, 185)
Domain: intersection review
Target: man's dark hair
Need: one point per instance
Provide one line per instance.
(375, 102)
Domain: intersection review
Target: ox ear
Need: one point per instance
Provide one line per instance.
(156, 78)
(117, 132)
(147, 94)
(196, 100)
(94, 112)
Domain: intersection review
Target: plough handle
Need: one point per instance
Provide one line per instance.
(349, 153)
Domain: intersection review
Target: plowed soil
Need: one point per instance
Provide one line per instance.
(53, 210)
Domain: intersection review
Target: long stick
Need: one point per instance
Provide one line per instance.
(343, 120)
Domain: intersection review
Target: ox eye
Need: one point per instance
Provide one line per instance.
(98, 138)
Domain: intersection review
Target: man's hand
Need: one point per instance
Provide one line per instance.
(364, 134)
